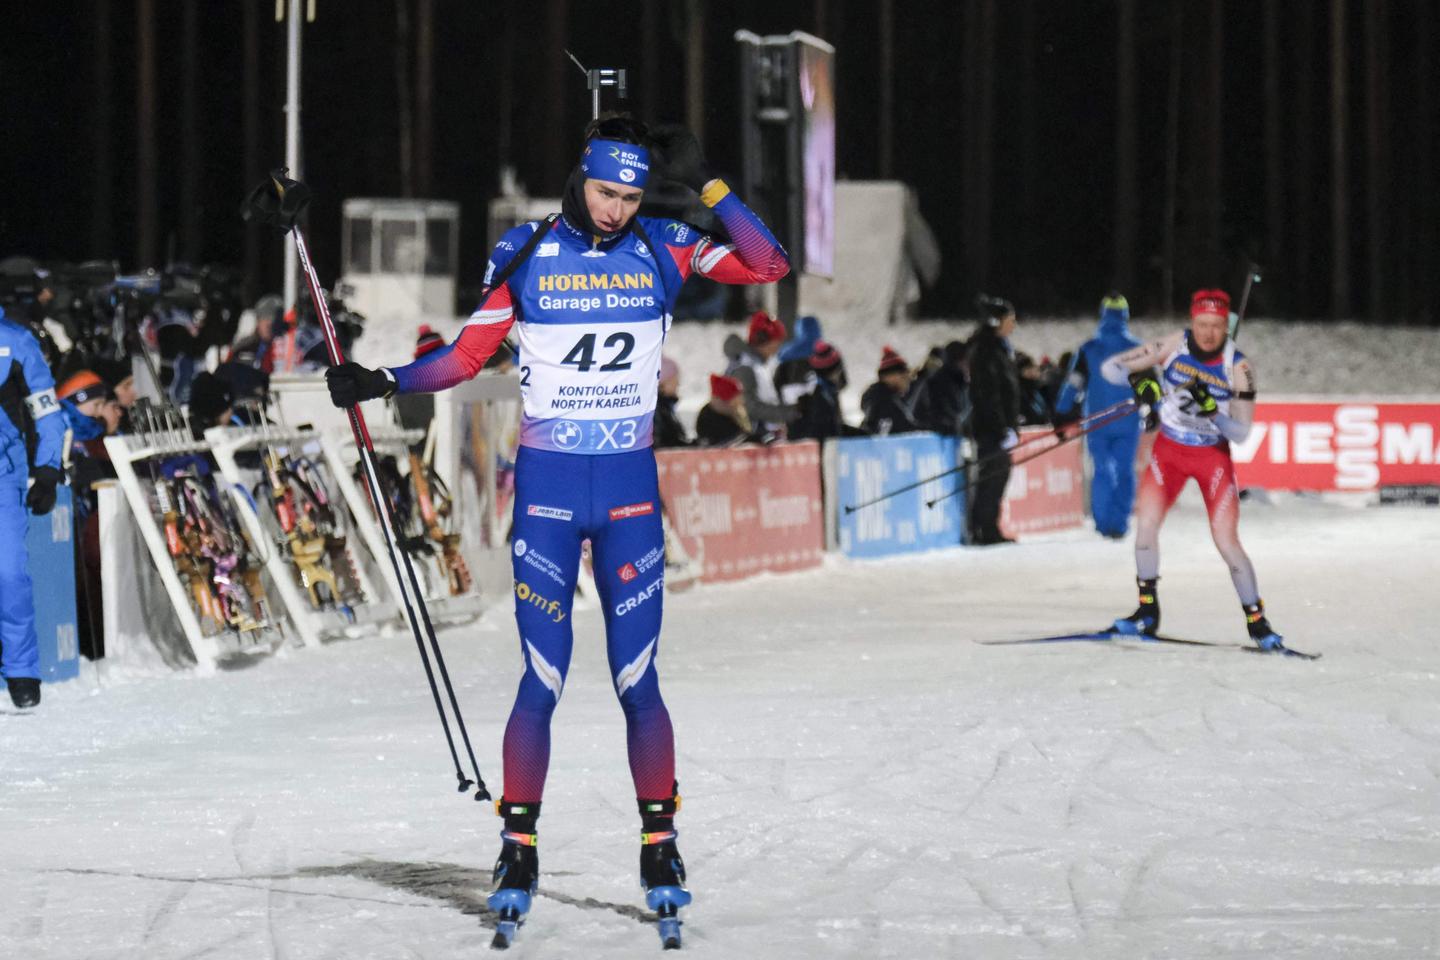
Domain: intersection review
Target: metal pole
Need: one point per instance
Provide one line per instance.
(292, 137)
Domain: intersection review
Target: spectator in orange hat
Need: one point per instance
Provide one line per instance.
(723, 422)
(886, 402)
(90, 408)
(753, 363)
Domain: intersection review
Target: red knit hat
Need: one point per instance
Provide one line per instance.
(763, 329)
(1210, 301)
(81, 386)
(892, 362)
(825, 356)
(724, 388)
(428, 340)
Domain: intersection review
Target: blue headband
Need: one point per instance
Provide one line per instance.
(616, 162)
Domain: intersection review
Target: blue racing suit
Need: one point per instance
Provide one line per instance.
(1112, 447)
(591, 316)
(30, 420)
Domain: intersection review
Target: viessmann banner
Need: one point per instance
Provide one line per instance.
(1352, 445)
(744, 510)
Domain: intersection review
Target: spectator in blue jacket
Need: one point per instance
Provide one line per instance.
(32, 432)
(1112, 447)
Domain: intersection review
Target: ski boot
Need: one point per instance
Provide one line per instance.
(517, 870)
(1145, 621)
(24, 691)
(1261, 632)
(662, 872)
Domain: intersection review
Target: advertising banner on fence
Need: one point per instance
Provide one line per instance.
(1340, 445)
(740, 511)
(1048, 492)
(867, 467)
(50, 544)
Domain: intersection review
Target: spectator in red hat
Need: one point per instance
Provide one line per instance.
(753, 363)
(886, 402)
(820, 416)
(428, 339)
(723, 422)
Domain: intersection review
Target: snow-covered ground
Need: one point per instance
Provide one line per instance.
(861, 777)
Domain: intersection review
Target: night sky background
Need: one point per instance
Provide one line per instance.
(503, 91)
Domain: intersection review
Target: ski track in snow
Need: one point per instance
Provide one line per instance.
(861, 778)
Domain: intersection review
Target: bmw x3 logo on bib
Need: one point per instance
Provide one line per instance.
(566, 434)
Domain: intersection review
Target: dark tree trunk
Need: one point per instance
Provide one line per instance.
(190, 146)
(1213, 200)
(1126, 179)
(1376, 158)
(1426, 185)
(649, 55)
(1305, 146)
(1029, 138)
(984, 144)
(1170, 244)
(557, 137)
(424, 96)
(250, 120)
(695, 68)
(146, 158)
(404, 99)
(102, 191)
(886, 125)
(1274, 136)
(1340, 305)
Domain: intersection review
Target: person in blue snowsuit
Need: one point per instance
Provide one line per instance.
(589, 294)
(1112, 447)
(32, 438)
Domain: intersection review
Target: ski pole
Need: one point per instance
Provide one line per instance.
(280, 201)
(1093, 422)
(851, 508)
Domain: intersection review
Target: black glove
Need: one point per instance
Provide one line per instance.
(351, 383)
(1146, 385)
(679, 157)
(1205, 405)
(41, 497)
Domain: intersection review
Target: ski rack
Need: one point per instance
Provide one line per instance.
(313, 626)
(443, 607)
(125, 451)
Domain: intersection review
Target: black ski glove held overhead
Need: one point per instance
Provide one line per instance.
(41, 496)
(351, 383)
(680, 156)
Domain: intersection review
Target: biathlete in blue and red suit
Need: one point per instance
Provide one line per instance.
(590, 302)
(1202, 389)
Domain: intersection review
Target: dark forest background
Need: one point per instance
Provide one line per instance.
(1058, 147)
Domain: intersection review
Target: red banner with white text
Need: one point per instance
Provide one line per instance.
(1048, 492)
(739, 511)
(1350, 445)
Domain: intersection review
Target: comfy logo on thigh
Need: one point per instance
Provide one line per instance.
(527, 594)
